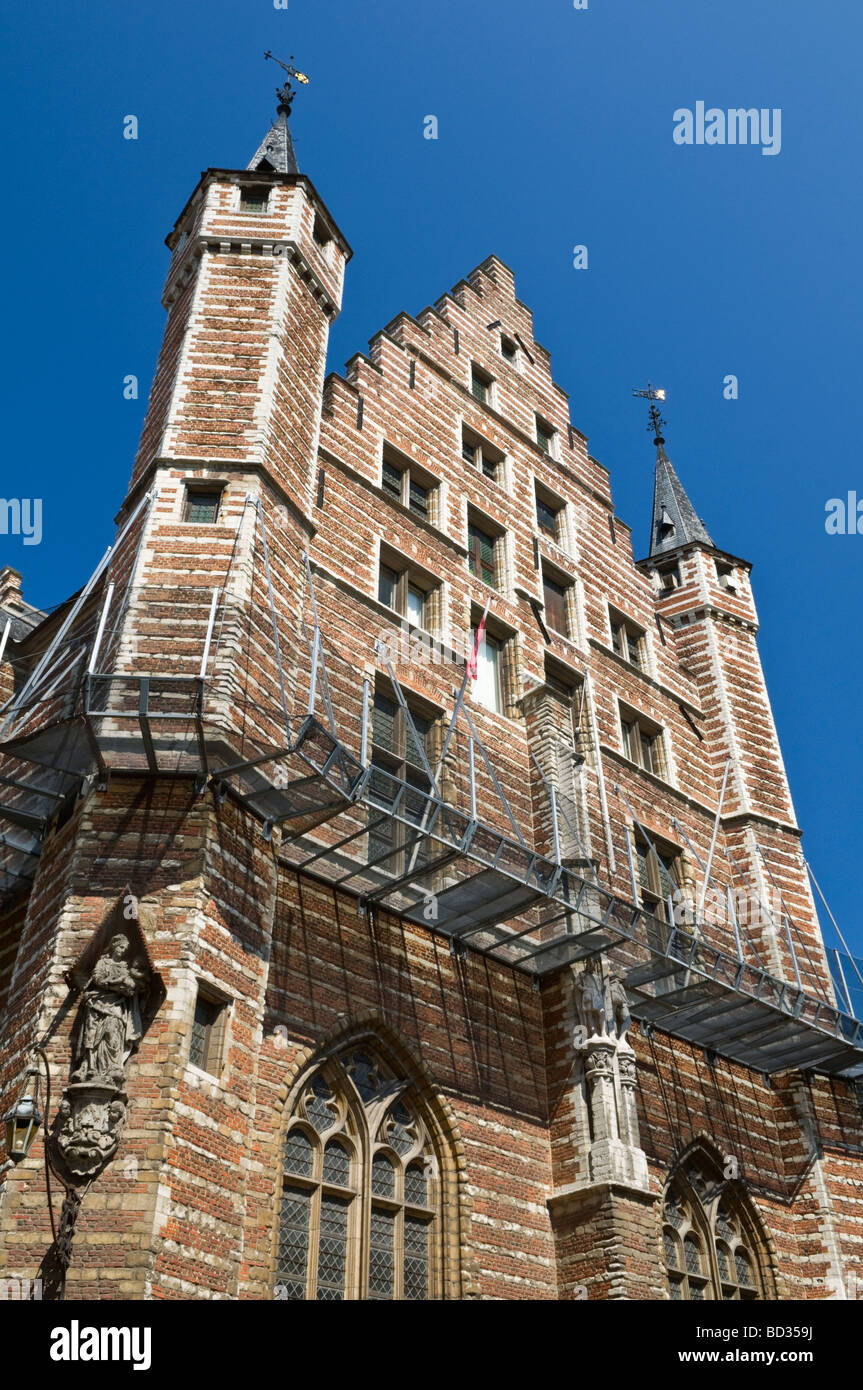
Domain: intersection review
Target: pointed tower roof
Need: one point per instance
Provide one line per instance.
(276, 150)
(675, 521)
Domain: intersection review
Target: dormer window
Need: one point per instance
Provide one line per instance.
(665, 526)
(254, 197)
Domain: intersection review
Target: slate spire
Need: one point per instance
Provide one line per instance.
(675, 521)
(276, 150)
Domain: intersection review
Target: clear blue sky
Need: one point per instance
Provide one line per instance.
(555, 129)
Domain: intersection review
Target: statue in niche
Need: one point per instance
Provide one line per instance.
(108, 1028)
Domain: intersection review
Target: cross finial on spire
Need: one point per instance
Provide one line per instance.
(286, 92)
(654, 394)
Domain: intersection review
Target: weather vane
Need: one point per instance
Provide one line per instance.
(654, 394)
(286, 93)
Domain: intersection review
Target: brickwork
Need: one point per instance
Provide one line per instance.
(532, 1205)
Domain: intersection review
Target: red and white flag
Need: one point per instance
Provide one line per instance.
(472, 667)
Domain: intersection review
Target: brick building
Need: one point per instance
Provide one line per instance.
(400, 880)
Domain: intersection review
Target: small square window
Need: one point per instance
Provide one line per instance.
(643, 744)
(480, 386)
(203, 507)
(726, 576)
(208, 1027)
(254, 198)
(407, 592)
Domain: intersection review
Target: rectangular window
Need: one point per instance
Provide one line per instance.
(202, 507)
(554, 597)
(725, 575)
(398, 781)
(643, 745)
(508, 349)
(482, 554)
(481, 456)
(658, 873)
(628, 641)
(205, 1047)
(387, 586)
(670, 579)
(487, 688)
(391, 481)
(480, 386)
(545, 436)
(546, 518)
(407, 592)
(253, 198)
(410, 485)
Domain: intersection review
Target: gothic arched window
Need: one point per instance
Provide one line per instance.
(360, 1203)
(709, 1237)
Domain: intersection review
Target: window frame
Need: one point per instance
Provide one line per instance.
(244, 208)
(408, 579)
(542, 426)
(641, 738)
(562, 586)
(699, 1220)
(482, 453)
(410, 475)
(215, 1031)
(480, 377)
(361, 1125)
(202, 490)
(479, 528)
(623, 630)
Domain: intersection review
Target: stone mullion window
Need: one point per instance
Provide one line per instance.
(352, 1228)
(707, 1250)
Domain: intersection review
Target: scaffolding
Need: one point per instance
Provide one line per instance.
(398, 844)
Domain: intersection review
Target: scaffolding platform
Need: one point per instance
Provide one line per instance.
(396, 845)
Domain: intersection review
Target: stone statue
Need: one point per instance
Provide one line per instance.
(620, 1017)
(108, 1028)
(589, 1002)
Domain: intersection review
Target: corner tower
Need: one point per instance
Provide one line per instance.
(704, 594)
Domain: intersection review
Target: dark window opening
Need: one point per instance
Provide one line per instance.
(203, 507)
(205, 1047)
(254, 198)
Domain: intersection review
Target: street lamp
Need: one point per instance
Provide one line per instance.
(23, 1121)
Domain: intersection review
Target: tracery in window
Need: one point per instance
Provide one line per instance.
(709, 1236)
(360, 1208)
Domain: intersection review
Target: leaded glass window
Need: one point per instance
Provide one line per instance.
(709, 1236)
(355, 1227)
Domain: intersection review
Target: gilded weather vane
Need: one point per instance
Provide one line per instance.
(654, 394)
(286, 93)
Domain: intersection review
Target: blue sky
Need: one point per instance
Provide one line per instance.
(555, 129)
